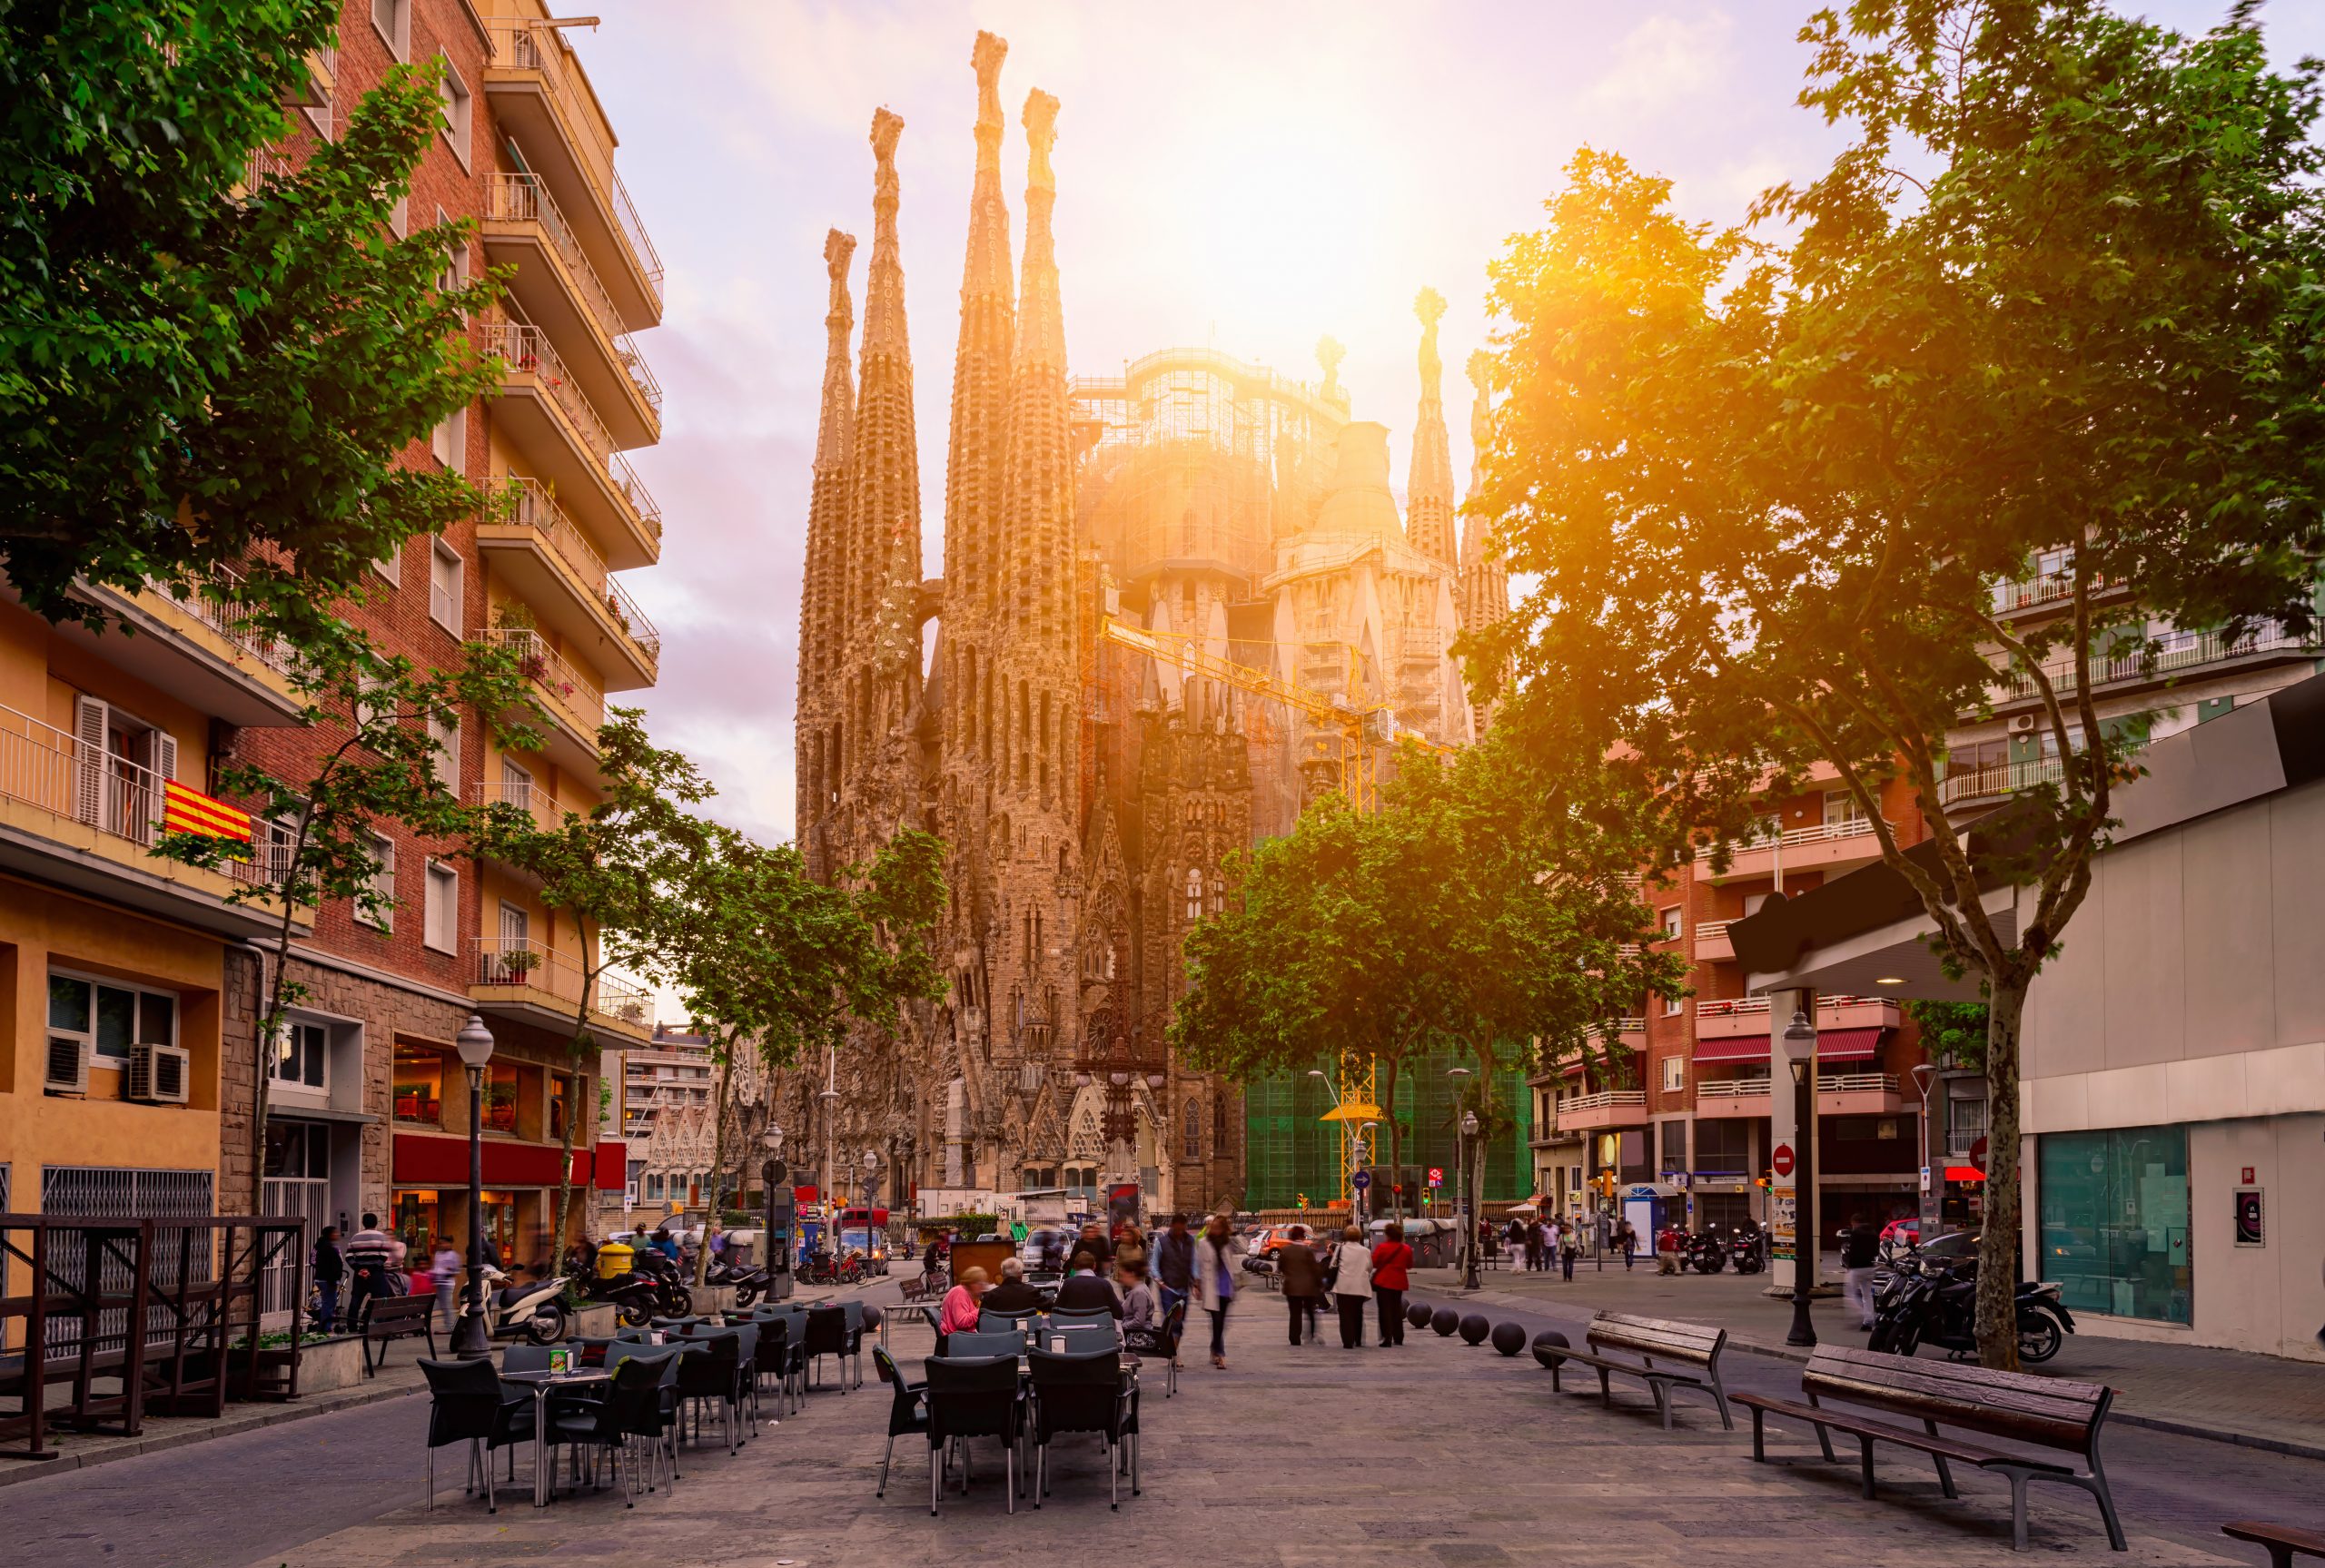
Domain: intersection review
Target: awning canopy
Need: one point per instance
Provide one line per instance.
(1832, 1045)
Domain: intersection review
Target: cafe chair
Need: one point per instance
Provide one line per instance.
(1079, 1394)
(630, 1414)
(965, 1343)
(972, 1396)
(827, 1335)
(708, 1372)
(989, 1322)
(907, 1410)
(469, 1404)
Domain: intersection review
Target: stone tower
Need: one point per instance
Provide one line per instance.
(1485, 578)
(821, 628)
(1429, 486)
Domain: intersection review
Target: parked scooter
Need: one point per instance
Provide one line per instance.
(635, 1299)
(535, 1312)
(1748, 1250)
(748, 1283)
(1707, 1254)
(1928, 1302)
(672, 1298)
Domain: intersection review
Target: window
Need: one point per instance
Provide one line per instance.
(1753, 902)
(440, 923)
(1191, 1130)
(392, 19)
(377, 906)
(367, 711)
(447, 737)
(1673, 1006)
(109, 1016)
(1842, 809)
(1724, 1146)
(302, 1059)
(561, 1087)
(2115, 1217)
(1195, 895)
(1671, 923)
(517, 786)
(1218, 892)
(501, 1083)
(457, 110)
(400, 217)
(450, 440)
(444, 574)
(390, 567)
(418, 1079)
(1674, 1073)
(1672, 1136)
(298, 1151)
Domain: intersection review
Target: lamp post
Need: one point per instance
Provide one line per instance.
(1806, 1239)
(778, 1259)
(830, 1097)
(470, 1338)
(1466, 1240)
(1924, 1073)
(1468, 1199)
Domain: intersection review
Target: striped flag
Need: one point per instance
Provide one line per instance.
(187, 810)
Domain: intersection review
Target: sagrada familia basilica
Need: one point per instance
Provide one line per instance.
(1087, 789)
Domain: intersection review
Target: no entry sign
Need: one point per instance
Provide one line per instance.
(1781, 1161)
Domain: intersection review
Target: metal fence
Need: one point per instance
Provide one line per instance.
(291, 1198)
(116, 1192)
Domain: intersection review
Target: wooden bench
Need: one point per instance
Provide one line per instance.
(391, 1317)
(1650, 1340)
(2282, 1539)
(921, 1286)
(2049, 1413)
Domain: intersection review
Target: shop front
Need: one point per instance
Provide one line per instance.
(431, 1194)
(2114, 1221)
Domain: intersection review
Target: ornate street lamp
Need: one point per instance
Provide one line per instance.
(470, 1338)
(1805, 1239)
(1468, 1209)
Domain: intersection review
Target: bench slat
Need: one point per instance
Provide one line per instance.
(1999, 1405)
(1993, 1385)
(2309, 1543)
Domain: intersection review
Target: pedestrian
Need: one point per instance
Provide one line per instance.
(1093, 1242)
(1131, 1245)
(932, 1258)
(1626, 1238)
(1569, 1241)
(331, 1269)
(1211, 1284)
(1668, 1245)
(1533, 1247)
(1392, 1262)
(1352, 1286)
(1174, 1263)
(1303, 1280)
(1860, 1250)
(368, 1252)
(447, 1265)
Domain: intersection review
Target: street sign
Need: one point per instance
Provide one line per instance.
(1781, 1161)
(1978, 1154)
(1360, 1180)
(1437, 1175)
(1925, 1179)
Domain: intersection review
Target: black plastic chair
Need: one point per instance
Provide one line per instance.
(965, 1343)
(827, 1335)
(1166, 1345)
(1003, 1322)
(907, 1410)
(772, 1356)
(631, 1408)
(1079, 1394)
(972, 1396)
(709, 1369)
(470, 1405)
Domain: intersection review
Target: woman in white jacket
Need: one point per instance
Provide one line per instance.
(1213, 1283)
(1352, 1286)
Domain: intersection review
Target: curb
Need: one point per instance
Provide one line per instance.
(160, 1442)
(2174, 1424)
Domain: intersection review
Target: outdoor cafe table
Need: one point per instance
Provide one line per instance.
(543, 1383)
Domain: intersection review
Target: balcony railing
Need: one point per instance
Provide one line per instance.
(43, 767)
(1826, 1083)
(1730, 1088)
(535, 508)
(1745, 1006)
(522, 46)
(532, 798)
(523, 199)
(1608, 1100)
(534, 966)
(528, 350)
(2178, 651)
(1815, 833)
(216, 603)
(559, 681)
(633, 489)
(2045, 588)
(1713, 930)
(1997, 779)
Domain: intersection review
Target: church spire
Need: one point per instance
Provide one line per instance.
(1485, 577)
(883, 549)
(974, 453)
(820, 624)
(1429, 486)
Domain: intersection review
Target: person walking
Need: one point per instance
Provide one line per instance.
(1174, 1263)
(1533, 1247)
(1303, 1280)
(368, 1252)
(1626, 1238)
(1569, 1241)
(1351, 1276)
(330, 1269)
(1860, 1250)
(1212, 1282)
(447, 1265)
(1392, 1262)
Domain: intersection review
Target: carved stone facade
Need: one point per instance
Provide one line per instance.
(1087, 793)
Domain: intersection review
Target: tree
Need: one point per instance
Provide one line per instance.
(2059, 291)
(315, 834)
(1953, 1032)
(208, 375)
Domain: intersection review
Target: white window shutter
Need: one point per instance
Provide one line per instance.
(91, 718)
(165, 758)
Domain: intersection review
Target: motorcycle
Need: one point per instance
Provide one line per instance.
(1705, 1254)
(672, 1298)
(1926, 1302)
(635, 1298)
(1748, 1250)
(747, 1283)
(535, 1312)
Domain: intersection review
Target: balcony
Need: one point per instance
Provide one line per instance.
(559, 290)
(1837, 1094)
(200, 647)
(533, 984)
(1829, 847)
(535, 800)
(1609, 1108)
(87, 819)
(1750, 1015)
(543, 554)
(1985, 786)
(571, 700)
(2049, 592)
(544, 410)
(1713, 943)
(541, 97)
(2175, 654)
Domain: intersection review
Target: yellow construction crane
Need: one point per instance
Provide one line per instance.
(1367, 733)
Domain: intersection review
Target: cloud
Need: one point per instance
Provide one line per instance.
(1664, 61)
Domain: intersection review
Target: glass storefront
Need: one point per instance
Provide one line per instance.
(2114, 1221)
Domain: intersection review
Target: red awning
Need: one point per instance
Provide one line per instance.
(1832, 1045)
(1964, 1173)
(612, 1164)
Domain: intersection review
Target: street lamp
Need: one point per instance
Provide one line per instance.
(1805, 1238)
(1465, 1239)
(1925, 1073)
(470, 1338)
(1468, 1198)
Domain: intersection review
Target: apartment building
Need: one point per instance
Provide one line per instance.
(1681, 1125)
(368, 1104)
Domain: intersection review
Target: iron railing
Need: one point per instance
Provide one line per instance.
(2175, 651)
(556, 680)
(1745, 1006)
(1998, 779)
(535, 508)
(217, 602)
(523, 199)
(534, 965)
(522, 46)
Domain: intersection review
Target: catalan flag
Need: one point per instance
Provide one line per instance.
(187, 810)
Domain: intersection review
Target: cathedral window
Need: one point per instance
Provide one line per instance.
(1219, 1122)
(1191, 1130)
(1218, 894)
(1195, 895)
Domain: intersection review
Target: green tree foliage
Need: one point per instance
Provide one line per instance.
(1953, 1032)
(197, 375)
(382, 715)
(2061, 290)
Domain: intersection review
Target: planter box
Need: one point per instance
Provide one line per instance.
(595, 1321)
(334, 1363)
(710, 1299)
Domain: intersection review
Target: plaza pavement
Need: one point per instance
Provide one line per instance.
(1436, 1454)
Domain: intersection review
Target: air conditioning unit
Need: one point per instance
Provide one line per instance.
(2022, 724)
(68, 1066)
(158, 1074)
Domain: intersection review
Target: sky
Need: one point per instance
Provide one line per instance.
(1250, 176)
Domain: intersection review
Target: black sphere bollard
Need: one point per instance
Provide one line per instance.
(1445, 1320)
(1509, 1338)
(872, 1315)
(1547, 1345)
(1474, 1329)
(1417, 1316)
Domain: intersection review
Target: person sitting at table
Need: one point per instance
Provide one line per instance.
(959, 1314)
(1138, 1296)
(1087, 1290)
(1013, 1294)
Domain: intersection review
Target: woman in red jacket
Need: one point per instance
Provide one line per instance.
(1391, 1261)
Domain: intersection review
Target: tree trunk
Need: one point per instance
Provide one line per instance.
(1997, 1302)
(575, 1048)
(1385, 1082)
(726, 1071)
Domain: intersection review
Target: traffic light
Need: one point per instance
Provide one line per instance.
(1768, 1181)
